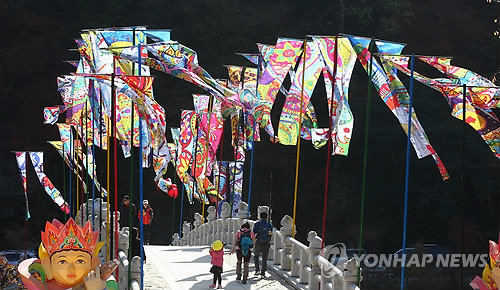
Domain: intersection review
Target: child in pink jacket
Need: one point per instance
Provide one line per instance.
(217, 254)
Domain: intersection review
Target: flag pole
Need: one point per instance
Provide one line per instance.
(141, 192)
(235, 161)
(108, 177)
(182, 208)
(130, 212)
(330, 126)
(408, 149)
(71, 154)
(87, 169)
(77, 175)
(91, 85)
(209, 117)
(253, 142)
(298, 139)
(462, 183)
(218, 175)
(365, 155)
(115, 169)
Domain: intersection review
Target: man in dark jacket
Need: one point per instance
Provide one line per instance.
(125, 213)
(263, 231)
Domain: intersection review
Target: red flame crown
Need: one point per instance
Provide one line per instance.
(70, 236)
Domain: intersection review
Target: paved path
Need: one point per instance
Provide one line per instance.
(170, 267)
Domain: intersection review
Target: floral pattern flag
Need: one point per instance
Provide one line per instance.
(37, 161)
(21, 163)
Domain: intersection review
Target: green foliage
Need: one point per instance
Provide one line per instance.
(387, 17)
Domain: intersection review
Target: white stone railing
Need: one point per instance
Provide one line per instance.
(123, 267)
(302, 265)
(135, 273)
(99, 218)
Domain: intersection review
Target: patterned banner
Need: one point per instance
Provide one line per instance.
(299, 96)
(37, 160)
(284, 56)
(175, 132)
(185, 151)
(139, 88)
(252, 57)
(180, 61)
(21, 163)
(73, 90)
(342, 118)
(390, 97)
(485, 95)
(201, 103)
(236, 184)
(482, 119)
(51, 114)
(418, 134)
(220, 179)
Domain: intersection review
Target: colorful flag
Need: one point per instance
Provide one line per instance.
(220, 179)
(484, 93)
(418, 133)
(51, 114)
(299, 96)
(236, 184)
(284, 56)
(392, 99)
(186, 142)
(482, 119)
(37, 160)
(21, 163)
(342, 119)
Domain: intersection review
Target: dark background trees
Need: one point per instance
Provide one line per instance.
(38, 34)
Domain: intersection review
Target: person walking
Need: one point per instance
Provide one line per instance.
(244, 240)
(263, 231)
(217, 254)
(125, 213)
(147, 219)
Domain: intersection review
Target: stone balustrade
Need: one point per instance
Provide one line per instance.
(291, 258)
(99, 210)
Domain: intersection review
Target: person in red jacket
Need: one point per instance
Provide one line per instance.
(147, 218)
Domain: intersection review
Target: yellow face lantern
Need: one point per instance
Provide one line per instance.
(69, 252)
(70, 267)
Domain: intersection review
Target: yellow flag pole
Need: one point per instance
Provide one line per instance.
(298, 141)
(108, 182)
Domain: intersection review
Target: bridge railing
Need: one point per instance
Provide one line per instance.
(123, 268)
(305, 264)
(99, 219)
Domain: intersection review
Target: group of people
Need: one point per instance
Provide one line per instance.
(244, 240)
(147, 216)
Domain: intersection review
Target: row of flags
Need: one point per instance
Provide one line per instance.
(119, 61)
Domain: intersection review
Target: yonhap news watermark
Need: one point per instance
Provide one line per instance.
(337, 254)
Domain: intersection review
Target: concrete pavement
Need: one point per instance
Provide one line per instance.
(170, 267)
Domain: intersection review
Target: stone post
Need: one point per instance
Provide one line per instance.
(175, 239)
(226, 216)
(242, 213)
(286, 231)
(211, 236)
(313, 250)
(186, 228)
(198, 221)
(351, 273)
(135, 271)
